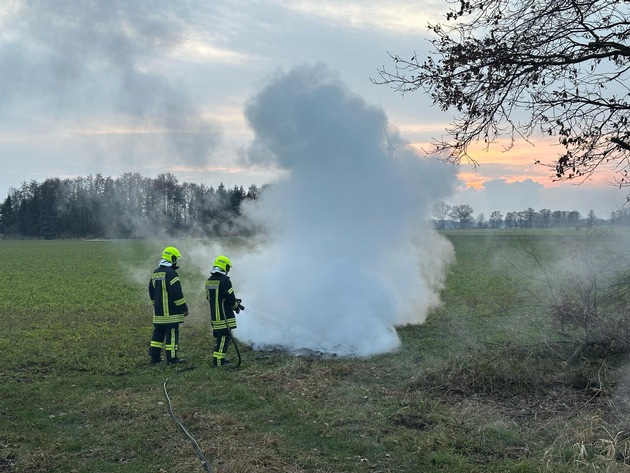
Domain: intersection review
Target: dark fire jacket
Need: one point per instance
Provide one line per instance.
(220, 295)
(168, 299)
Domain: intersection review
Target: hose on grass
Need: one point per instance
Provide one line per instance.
(195, 445)
(238, 352)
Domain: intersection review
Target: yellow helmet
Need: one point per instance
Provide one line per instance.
(171, 254)
(223, 262)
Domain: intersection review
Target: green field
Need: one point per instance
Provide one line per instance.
(481, 386)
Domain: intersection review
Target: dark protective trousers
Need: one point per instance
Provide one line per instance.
(164, 336)
(222, 339)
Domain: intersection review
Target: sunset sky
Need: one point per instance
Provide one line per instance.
(160, 86)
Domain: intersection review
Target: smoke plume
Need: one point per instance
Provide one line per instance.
(350, 252)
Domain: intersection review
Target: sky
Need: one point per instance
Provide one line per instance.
(163, 86)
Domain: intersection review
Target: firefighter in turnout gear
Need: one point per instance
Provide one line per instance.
(169, 307)
(223, 306)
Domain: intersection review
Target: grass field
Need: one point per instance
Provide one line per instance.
(480, 387)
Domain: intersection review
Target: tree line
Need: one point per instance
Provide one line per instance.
(462, 217)
(130, 206)
(133, 206)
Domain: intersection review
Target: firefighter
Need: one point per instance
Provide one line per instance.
(169, 307)
(223, 306)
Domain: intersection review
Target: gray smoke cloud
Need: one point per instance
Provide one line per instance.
(94, 62)
(350, 252)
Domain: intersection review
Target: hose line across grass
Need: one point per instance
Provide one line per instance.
(238, 352)
(195, 445)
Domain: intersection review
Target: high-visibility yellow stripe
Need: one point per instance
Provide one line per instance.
(168, 319)
(220, 324)
(172, 347)
(165, 300)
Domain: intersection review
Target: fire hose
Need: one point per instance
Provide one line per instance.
(238, 352)
(179, 423)
(195, 445)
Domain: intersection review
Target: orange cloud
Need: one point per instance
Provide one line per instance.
(522, 161)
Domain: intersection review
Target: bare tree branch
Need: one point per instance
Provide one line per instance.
(561, 64)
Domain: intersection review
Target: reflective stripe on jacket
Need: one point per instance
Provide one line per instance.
(220, 295)
(165, 290)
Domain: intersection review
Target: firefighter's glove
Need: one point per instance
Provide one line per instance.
(239, 305)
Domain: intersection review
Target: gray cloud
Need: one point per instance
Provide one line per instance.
(89, 62)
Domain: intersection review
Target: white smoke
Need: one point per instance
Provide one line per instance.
(351, 253)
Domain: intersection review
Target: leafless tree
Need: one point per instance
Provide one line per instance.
(463, 214)
(481, 220)
(440, 212)
(513, 68)
(496, 219)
